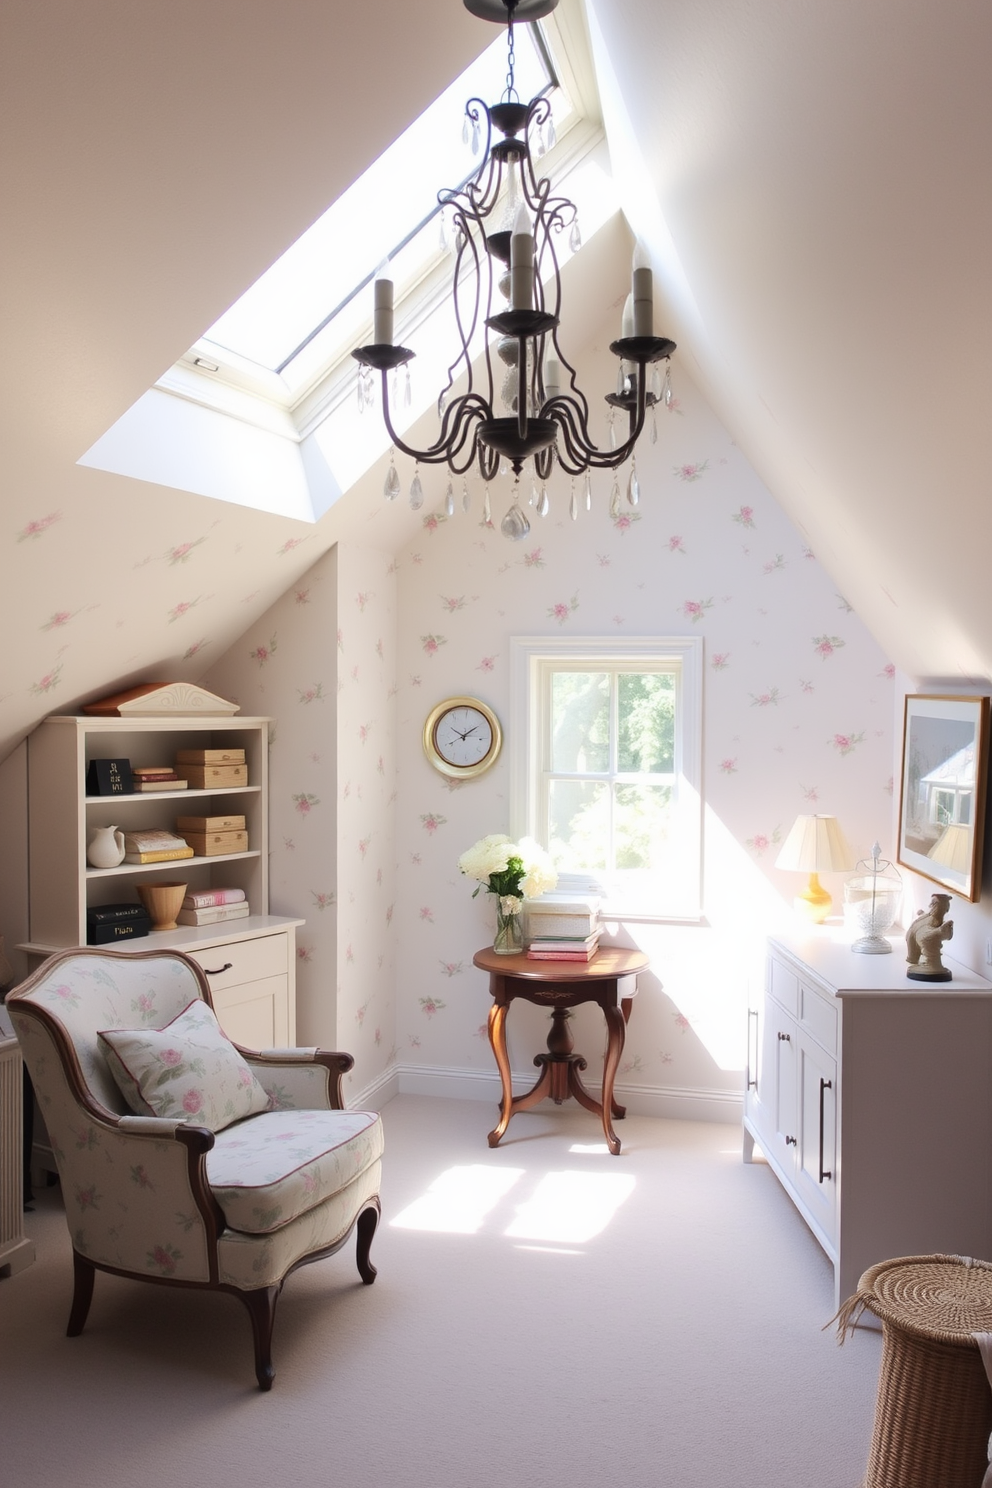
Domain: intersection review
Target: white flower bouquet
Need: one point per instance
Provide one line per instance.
(513, 870)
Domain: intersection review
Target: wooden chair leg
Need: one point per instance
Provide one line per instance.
(368, 1221)
(261, 1305)
(84, 1274)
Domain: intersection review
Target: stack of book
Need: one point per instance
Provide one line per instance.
(109, 922)
(562, 929)
(155, 847)
(213, 769)
(212, 906)
(157, 778)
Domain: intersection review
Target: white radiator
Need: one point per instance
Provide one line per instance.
(15, 1251)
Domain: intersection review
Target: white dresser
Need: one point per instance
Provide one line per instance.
(871, 1097)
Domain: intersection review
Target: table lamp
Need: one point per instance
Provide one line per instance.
(815, 845)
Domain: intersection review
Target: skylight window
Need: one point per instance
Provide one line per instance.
(391, 211)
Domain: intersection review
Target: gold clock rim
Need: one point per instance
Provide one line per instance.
(461, 772)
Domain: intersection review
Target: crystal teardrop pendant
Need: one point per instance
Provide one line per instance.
(541, 145)
(668, 395)
(465, 130)
(442, 402)
(575, 236)
(407, 392)
(475, 137)
(534, 497)
(588, 491)
(466, 498)
(361, 392)
(573, 505)
(613, 431)
(416, 491)
(391, 485)
(544, 505)
(552, 132)
(654, 425)
(615, 499)
(487, 511)
(633, 487)
(369, 388)
(514, 525)
(442, 234)
(449, 501)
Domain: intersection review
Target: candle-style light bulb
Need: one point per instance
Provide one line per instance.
(382, 322)
(642, 292)
(521, 262)
(552, 377)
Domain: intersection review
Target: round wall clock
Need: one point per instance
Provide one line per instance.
(462, 737)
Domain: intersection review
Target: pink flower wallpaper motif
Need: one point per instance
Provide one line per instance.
(39, 525)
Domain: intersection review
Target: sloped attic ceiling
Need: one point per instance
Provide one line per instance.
(813, 182)
(817, 179)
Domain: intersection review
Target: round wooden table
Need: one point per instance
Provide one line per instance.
(560, 985)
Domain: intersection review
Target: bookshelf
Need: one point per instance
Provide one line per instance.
(251, 961)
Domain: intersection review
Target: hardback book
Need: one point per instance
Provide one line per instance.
(173, 784)
(100, 913)
(170, 855)
(214, 777)
(565, 943)
(214, 916)
(210, 824)
(104, 932)
(561, 926)
(109, 777)
(152, 839)
(160, 772)
(533, 955)
(213, 844)
(210, 756)
(212, 898)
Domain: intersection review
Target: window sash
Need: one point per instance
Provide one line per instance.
(633, 892)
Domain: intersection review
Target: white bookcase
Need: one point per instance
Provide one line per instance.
(251, 961)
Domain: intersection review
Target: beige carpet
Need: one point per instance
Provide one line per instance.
(679, 1346)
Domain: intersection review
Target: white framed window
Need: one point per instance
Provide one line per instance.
(606, 744)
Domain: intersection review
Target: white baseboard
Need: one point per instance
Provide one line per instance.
(671, 1102)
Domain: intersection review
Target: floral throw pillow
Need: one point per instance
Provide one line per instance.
(189, 1071)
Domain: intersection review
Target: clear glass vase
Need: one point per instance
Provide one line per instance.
(509, 933)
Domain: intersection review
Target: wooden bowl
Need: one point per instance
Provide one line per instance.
(163, 902)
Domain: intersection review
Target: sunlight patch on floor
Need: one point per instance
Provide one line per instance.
(458, 1201)
(571, 1207)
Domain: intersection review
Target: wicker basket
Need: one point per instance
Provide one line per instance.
(933, 1411)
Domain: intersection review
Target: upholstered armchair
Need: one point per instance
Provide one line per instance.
(184, 1160)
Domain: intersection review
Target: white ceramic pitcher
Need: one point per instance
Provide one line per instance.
(105, 847)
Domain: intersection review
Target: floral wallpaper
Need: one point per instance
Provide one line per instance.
(321, 662)
(798, 706)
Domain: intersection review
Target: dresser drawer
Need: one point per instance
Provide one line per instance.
(238, 961)
(783, 985)
(818, 1016)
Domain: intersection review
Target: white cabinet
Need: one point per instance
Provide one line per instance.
(871, 1098)
(251, 962)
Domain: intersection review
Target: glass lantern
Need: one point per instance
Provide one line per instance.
(872, 899)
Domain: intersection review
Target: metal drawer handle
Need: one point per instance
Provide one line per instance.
(825, 1085)
(786, 1038)
(791, 1142)
(752, 1013)
(216, 971)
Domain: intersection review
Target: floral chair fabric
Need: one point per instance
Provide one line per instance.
(159, 1198)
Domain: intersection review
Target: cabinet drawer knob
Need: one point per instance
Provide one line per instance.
(791, 1142)
(216, 970)
(786, 1038)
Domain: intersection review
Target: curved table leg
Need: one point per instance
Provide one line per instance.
(497, 1038)
(614, 1048)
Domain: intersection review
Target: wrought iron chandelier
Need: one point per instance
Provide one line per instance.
(507, 280)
